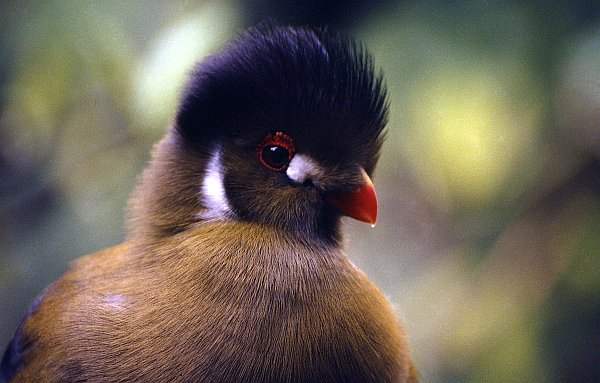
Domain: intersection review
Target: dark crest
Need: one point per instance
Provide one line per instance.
(301, 78)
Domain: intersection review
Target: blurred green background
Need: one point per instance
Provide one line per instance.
(489, 235)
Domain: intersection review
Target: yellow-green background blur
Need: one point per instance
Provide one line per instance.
(489, 234)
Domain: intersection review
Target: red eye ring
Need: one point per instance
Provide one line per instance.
(276, 151)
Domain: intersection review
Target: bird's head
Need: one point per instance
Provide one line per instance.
(283, 127)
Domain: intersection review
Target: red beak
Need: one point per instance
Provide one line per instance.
(360, 204)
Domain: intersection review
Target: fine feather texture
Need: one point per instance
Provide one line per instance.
(261, 292)
(292, 313)
(320, 84)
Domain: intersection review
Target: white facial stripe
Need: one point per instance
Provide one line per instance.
(213, 191)
(302, 167)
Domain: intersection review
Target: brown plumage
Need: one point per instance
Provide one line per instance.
(255, 290)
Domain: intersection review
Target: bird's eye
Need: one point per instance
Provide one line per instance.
(276, 151)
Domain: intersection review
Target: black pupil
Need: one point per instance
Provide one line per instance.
(275, 156)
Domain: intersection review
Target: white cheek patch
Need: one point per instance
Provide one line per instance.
(214, 198)
(303, 168)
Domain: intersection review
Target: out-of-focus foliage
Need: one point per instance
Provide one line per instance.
(489, 183)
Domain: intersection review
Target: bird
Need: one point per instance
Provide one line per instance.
(233, 268)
